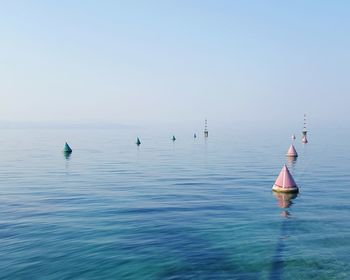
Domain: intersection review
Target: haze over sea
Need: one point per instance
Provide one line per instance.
(99, 74)
(193, 209)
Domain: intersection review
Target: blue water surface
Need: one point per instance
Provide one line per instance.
(192, 209)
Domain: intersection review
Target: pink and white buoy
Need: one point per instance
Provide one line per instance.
(292, 152)
(285, 182)
(304, 139)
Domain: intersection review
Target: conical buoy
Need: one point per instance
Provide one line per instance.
(195, 135)
(304, 139)
(138, 142)
(293, 136)
(174, 138)
(67, 149)
(292, 152)
(285, 182)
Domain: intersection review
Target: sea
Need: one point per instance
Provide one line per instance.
(195, 208)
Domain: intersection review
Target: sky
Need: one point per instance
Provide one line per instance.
(135, 62)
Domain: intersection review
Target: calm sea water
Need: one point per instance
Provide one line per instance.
(192, 209)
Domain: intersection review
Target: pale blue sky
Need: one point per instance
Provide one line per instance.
(134, 62)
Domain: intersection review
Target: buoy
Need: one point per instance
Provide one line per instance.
(195, 135)
(293, 136)
(174, 138)
(285, 182)
(206, 132)
(304, 139)
(292, 152)
(138, 142)
(67, 149)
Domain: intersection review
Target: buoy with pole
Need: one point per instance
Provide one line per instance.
(206, 132)
(304, 139)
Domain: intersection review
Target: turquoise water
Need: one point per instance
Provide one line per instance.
(192, 209)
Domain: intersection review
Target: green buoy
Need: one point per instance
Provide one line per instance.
(67, 149)
(138, 142)
(174, 138)
(195, 136)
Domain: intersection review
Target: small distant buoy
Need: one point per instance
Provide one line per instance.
(206, 132)
(67, 149)
(174, 138)
(292, 152)
(293, 136)
(195, 135)
(285, 182)
(138, 142)
(304, 139)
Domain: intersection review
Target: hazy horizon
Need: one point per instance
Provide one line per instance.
(140, 62)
